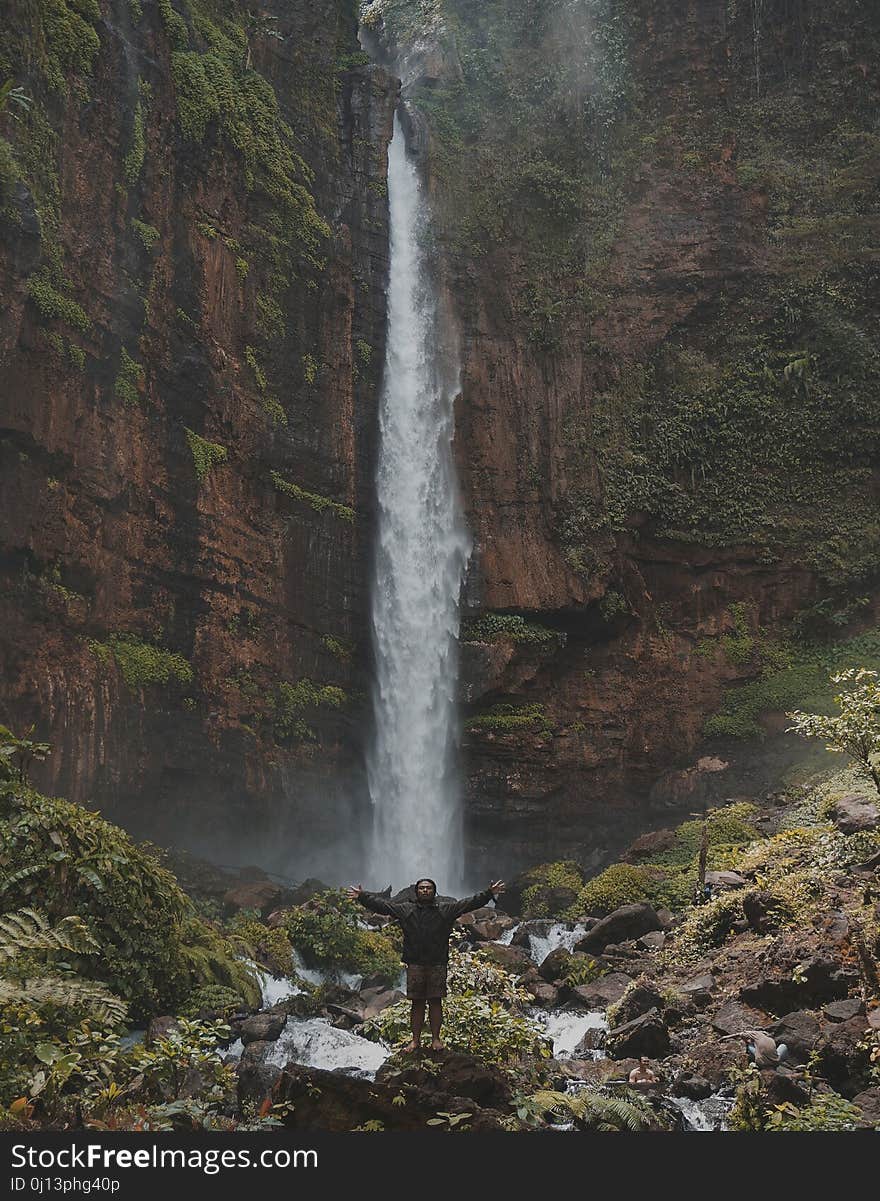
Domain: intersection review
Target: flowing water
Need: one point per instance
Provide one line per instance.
(421, 555)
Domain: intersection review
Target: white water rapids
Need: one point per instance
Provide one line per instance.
(422, 551)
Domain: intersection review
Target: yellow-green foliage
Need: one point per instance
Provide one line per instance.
(210, 958)
(9, 172)
(67, 859)
(705, 927)
(71, 40)
(142, 663)
(53, 305)
(293, 703)
(506, 717)
(327, 935)
(129, 379)
(499, 627)
(148, 234)
(320, 504)
(134, 159)
(562, 874)
(620, 884)
(266, 944)
(206, 455)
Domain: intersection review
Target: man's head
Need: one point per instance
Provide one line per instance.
(644, 1061)
(426, 891)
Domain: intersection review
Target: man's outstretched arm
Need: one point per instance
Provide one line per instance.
(457, 908)
(373, 901)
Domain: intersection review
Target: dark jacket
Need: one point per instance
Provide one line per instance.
(426, 928)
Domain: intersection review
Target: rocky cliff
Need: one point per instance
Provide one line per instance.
(194, 233)
(659, 223)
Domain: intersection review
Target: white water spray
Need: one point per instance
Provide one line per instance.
(421, 557)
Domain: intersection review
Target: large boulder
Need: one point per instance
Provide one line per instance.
(645, 1035)
(869, 1103)
(842, 1057)
(762, 910)
(263, 1027)
(513, 959)
(257, 1079)
(457, 1074)
(555, 965)
(546, 995)
(602, 992)
(842, 1011)
(263, 895)
(854, 812)
(374, 1000)
(799, 1031)
(786, 984)
(714, 1060)
(626, 923)
(641, 998)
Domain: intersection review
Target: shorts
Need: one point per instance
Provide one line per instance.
(425, 981)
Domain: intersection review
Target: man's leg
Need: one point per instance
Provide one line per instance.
(417, 1020)
(435, 1018)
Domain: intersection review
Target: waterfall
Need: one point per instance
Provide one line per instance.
(421, 554)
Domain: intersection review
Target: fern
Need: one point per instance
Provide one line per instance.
(28, 930)
(65, 992)
(595, 1110)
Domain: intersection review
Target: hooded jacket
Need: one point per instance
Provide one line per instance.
(426, 925)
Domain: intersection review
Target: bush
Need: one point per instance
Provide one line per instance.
(64, 859)
(562, 874)
(620, 884)
(327, 934)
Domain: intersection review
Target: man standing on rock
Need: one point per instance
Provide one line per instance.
(426, 924)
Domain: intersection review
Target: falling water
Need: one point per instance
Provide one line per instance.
(421, 556)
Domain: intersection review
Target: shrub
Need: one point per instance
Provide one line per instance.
(620, 884)
(327, 934)
(562, 874)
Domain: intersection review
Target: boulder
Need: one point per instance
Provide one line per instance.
(783, 987)
(722, 881)
(598, 1071)
(602, 992)
(653, 941)
(733, 1017)
(488, 930)
(705, 982)
(544, 994)
(869, 1103)
(799, 1031)
(263, 895)
(593, 1040)
(374, 1000)
(305, 891)
(263, 1027)
(781, 1087)
(842, 1011)
(539, 926)
(695, 1088)
(844, 1062)
(256, 1078)
(512, 959)
(649, 844)
(645, 1035)
(854, 812)
(872, 1019)
(627, 922)
(555, 965)
(457, 1074)
(639, 999)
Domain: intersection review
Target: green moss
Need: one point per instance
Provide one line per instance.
(504, 718)
(328, 936)
(142, 663)
(206, 455)
(136, 12)
(292, 703)
(148, 234)
(10, 173)
(499, 627)
(129, 379)
(340, 649)
(134, 159)
(620, 884)
(801, 682)
(241, 269)
(71, 40)
(270, 318)
(310, 368)
(53, 305)
(175, 26)
(250, 356)
(562, 874)
(321, 504)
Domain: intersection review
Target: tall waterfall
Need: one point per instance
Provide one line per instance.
(421, 556)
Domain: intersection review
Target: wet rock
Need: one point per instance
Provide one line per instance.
(374, 1000)
(555, 965)
(799, 1031)
(593, 1040)
(842, 1011)
(488, 930)
(512, 959)
(645, 1035)
(854, 812)
(543, 993)
(263, 1027)
(629, 921)
(713, 1060)
(602, 992)
(695, 1088)
(256, 1078)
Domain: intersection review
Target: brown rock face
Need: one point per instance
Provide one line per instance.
(202, 485)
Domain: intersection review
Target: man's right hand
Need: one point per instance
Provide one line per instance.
(354, 892)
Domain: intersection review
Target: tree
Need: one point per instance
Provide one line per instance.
(17, 754)
(856, 729)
